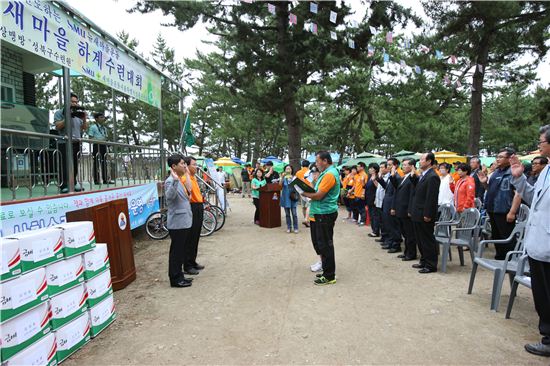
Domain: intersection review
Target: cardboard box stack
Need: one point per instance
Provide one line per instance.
(55, 293)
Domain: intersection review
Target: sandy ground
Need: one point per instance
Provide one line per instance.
(255, 303)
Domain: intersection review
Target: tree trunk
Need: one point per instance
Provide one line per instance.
(203, 132)
(477, 97)
(248, 147)
(257, 142)
(286, 63)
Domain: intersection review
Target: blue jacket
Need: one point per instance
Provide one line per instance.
(285, 201)
(500, 193)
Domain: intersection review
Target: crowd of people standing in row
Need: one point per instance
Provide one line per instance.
(403, 201)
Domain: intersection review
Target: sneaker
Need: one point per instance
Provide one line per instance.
(316, 267)
(296, 231)
(360, 224)
(323, 281)
(288, 231)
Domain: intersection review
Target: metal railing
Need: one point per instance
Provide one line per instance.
(34, 163)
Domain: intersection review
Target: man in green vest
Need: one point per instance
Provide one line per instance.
(323, 213)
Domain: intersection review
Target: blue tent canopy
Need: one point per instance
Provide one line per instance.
(238, 161)
(335, 158)
(272, 159)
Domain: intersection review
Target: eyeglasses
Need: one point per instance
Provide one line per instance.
(541, 142)
(502, 157)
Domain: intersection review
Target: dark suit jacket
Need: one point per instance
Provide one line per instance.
(423, 201)
(370, 193)
(480, 190)
(402, 196)
(389, 196)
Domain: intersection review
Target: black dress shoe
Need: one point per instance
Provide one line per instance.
(181, 283)
(401, 256)
(405, 259)
(379, 240)
(539, 349)
(373, 235)
(394, 250)
(427, 270)
(417, 265)
(199, 267)
(189, 279)
(385, 247)
(191, 271)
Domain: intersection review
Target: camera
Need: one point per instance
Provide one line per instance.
(77, 111)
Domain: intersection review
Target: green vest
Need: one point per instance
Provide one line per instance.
(329, 203)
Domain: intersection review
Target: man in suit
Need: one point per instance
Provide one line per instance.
(190, 266)
(537, 239)
(423, 211)
(180, 218)
(400, 208)
(389, 220)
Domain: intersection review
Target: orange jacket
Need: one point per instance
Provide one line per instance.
(465, 193)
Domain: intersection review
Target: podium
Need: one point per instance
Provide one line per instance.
(112, 226)
(270, 207)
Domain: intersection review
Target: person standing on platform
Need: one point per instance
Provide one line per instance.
(98, 131)
(257, 183)
(179, 218)
(537, 239)
(289, 199)
(324, 212)
(190, 265)
(423, 211)
(78, 125)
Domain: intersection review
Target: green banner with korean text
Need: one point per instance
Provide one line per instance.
(44, 29)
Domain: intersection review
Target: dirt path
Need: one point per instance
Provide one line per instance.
(255, 303)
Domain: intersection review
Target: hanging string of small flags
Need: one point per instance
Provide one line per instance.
(406, 43)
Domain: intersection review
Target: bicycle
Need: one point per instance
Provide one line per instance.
(213, 220)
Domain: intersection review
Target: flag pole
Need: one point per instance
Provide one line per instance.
(183, 146)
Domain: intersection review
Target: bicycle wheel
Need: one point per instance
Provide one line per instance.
(155, 226)
(208, 223)
(220, 216)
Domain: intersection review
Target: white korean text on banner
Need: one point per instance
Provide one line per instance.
(19, 217)
(45, 30)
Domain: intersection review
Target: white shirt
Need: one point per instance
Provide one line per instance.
(381, 192)
(445, 193)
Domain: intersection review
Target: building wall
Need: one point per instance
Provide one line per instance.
(12, 72)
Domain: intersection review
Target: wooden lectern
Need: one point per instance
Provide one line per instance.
(112, 226)
(270, 205)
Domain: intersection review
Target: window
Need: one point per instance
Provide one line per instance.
(8, 94)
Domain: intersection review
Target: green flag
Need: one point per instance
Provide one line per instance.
(187, 137)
